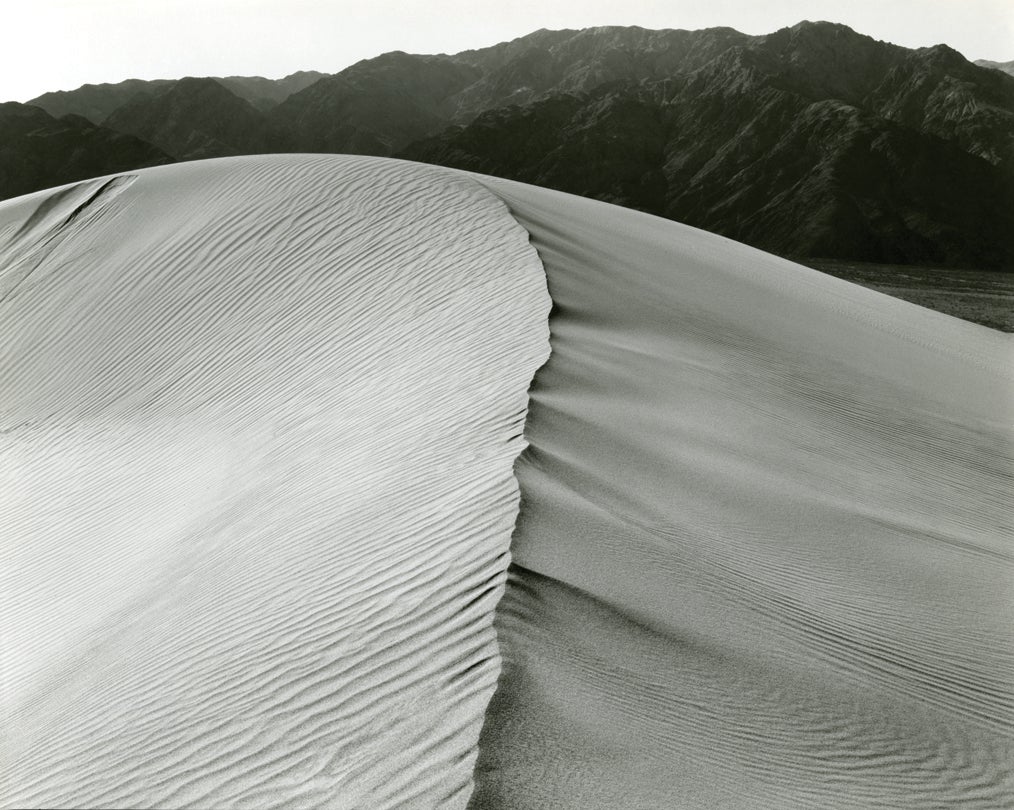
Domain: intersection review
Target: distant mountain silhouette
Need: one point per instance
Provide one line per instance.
(39, 151)
(193, 118)
(373, 107)
(810, 141)
(266, 93)
(1006, 67)
(97, 101)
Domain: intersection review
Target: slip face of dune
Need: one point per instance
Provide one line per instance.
(259, 418)
(764, 555)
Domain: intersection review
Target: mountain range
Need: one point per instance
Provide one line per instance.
(812, 141)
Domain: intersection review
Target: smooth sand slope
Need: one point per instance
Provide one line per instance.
(259, 418)
(764, 557)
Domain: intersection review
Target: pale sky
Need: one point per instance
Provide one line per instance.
(62, 44)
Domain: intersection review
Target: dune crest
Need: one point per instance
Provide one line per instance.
(259, 419)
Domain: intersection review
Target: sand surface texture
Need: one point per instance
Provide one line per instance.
(259, 434)
(259, 419)
(764, 555)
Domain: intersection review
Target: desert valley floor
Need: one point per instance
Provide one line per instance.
(334, 481)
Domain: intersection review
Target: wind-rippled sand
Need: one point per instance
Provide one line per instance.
(764, 556)
(259, 420)
(260, 417)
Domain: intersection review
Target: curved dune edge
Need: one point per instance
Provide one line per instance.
(259, 422)
(764, 555)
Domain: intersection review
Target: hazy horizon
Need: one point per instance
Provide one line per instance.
(63, 45)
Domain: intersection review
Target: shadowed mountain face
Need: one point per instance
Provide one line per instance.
(266, 93)
(192, 119)
(380, 106)
(96, 101)
(812, 141)
(550, 62)
(374, 107)
(38, 151)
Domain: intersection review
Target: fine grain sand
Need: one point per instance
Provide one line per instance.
(258, 421)
(764, 556)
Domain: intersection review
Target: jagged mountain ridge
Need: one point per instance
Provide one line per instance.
(391, 100)
(97, 101)
(791, 142)
(812, 140)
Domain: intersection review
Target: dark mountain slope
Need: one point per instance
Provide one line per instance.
(547, 62)
(609, 144)
(822, 60)
(814, 140)
(373, 107)
(96, 101)
(936, 91)
(380, 105)
(38, 151)
(834, 181)
(266, 93)
(192, 119)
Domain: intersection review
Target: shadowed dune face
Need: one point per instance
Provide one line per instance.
(257, 433)
(259, 419)
(764, 552)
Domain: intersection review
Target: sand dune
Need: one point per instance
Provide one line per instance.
(764, 555)
(259, 423)
(259, 420)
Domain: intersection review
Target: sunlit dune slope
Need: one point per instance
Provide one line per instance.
(259, 417)
(764, 555)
